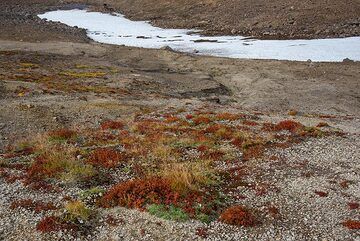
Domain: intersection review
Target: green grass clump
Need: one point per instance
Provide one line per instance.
(168, 213)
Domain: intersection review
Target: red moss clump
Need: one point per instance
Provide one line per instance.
(238, 142)
(352, 224)
(171, 119)
(353, 205)
(268, 127)
(321, 193)
(213, 128)
(201, 120)
(9, 178)
(250, 123)
(106, 157)
(189, 116)
(54, 224)
(113, 125)
(202, 232)
(255, 151)
(111, 221)
(36, 206)
(214, 155)
(16, 166)
(38, 185)
(238, 215)
(142, 192)
(62, 134)
(227, 116)
(344, 184)
(138, 193)
(202, 148)
(288, 125)
(37, 170)
(273, 211)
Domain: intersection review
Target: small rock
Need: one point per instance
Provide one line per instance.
(167, 48)
(347, 60)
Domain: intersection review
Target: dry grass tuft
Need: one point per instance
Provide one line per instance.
(189, 175)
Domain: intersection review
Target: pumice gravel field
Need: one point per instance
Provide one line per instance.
(112, 142)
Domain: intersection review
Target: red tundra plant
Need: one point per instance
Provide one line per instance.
(106, 157)
(353, 205)
(54, 224)
(138, 193)
(352, 224)
(238, 216)
(113, 125)
(62, 134)
(288, 125)
(36, 206)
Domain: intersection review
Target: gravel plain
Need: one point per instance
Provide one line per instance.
(295, 177)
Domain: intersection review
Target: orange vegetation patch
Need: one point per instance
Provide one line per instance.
(113, 125)
(36, 206)
(250, 123)
(201, 120)
(352, 224)
(227, 116)
(288, 125)
(239, 216)
(171, 119)
(255, 151)
(106, 157)
(139, 193)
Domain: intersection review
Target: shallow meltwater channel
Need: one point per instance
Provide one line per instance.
(116, 29)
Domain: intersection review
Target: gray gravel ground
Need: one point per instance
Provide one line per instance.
(303, 215)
